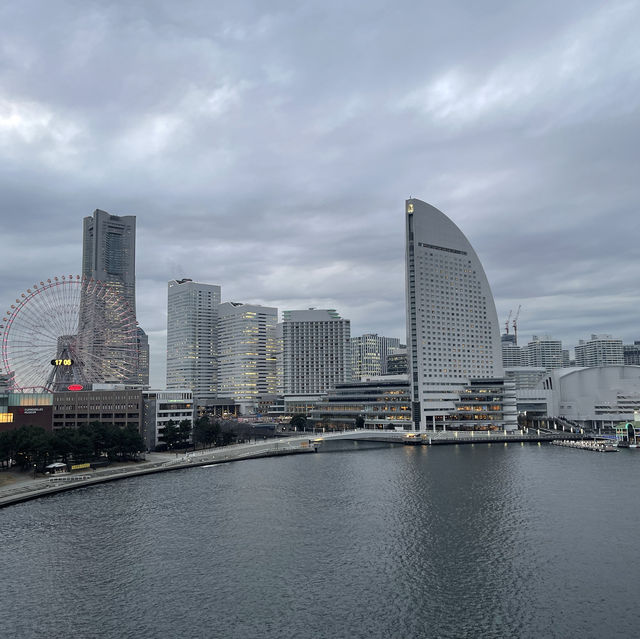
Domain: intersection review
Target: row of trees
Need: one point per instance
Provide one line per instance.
(33, 445)
(205, 432)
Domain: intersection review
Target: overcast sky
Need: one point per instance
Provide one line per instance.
(268, 147)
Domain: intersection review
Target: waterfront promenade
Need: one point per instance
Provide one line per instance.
(25, 487)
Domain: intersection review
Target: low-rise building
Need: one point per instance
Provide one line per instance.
(382, 402)
(25, 409)
(161, 407)
(486, 404)
(72, 409)
(594, 397)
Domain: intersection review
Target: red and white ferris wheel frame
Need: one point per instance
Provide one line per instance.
(92, 285)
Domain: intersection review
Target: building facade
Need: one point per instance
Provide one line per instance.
(452, 327)
(159, 407)
(192, 337)
(369, 354)
(543, 351)
(143, 357)
(600, 350)
(72, 409)
(631, 353)
(595, 397)
(109, 252)
(316, 351)
(511, 352)
(397, 363)
(381, 403)
(25, 409)
(486, 404)
(109, 256)
(247, 353)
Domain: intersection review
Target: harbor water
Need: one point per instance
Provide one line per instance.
(360, 540)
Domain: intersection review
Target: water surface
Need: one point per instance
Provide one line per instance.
(384, 541)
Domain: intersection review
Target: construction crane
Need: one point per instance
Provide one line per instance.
(515, 324)
(506, 324)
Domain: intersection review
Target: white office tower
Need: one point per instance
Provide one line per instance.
(600, 350)
(247, 345)
(192, 351)
(369, 354)
(453, 334)
(543, 351)
(316, 351)
(511, 352)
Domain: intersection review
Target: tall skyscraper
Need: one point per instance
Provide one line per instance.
(453, 334)
(247, 353)
(143, 357)
(316, 351)
(369, 354)
(109, 252)
(109, 255)
(192, 349)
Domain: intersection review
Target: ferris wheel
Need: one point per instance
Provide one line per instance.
(66, 333)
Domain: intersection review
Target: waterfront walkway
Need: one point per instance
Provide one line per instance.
(25, 487)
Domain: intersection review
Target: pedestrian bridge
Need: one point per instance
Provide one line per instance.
(440, 437)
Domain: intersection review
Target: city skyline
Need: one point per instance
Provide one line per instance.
(255, 157)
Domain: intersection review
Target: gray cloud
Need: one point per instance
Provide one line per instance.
(268, 147)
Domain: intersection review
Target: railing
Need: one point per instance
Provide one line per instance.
(56, 479)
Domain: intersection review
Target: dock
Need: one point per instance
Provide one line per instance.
(597, 446)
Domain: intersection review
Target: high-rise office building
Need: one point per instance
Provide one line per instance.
(397, 363)
(192, 349)
(143, 357)
(109, 252)
(631, 353)
(247, 353)
(600, 350)
(543, 351)
(316, 351)
(511, 352)
(453, 334)
(109, 256)
(369, 354)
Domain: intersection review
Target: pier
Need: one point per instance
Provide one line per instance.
(595, 445)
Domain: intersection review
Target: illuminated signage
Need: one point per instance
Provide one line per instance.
(61, 362)
(75, 387)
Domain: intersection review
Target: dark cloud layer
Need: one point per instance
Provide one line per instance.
(268, 147)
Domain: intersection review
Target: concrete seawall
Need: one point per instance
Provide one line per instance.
(36, 488)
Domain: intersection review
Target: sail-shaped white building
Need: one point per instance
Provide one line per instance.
(453, 336)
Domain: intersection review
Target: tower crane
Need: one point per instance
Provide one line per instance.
(515, 323)
(506, 324)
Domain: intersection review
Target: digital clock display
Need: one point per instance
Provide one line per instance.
(61, 362)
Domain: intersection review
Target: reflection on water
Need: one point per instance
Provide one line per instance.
(464, 541)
